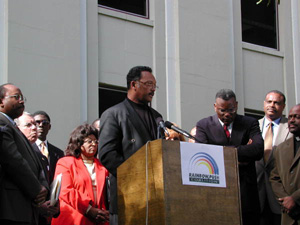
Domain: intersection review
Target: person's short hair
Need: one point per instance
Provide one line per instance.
(3, 90)
(135, 74)
(17, 121)
(225, 94)
(77, 139)
(40, 112)
(95, 121)
(277, 92)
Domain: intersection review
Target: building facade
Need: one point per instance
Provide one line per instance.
(60, 51)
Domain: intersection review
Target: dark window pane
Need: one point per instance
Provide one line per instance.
(259, 23)
(257, 114)
(136, 7)
(110, 96)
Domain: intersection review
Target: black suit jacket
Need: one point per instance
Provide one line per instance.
(54, 155)
(210, 131)
(21, 174)
(122, 133)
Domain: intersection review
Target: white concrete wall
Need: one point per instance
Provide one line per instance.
(125, 41)
(44, 60)
(57, 53)
(263, 71)
(206, 56)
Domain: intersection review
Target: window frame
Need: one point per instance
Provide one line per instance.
(128, 13)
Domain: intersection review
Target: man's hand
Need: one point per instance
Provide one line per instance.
(41, 197)
(287, 203)
(98, 215)
(249, 142)
(47, 210)
(103, 215)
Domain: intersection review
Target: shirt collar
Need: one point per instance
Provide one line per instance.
(38, 142)
(275, 122)
(228, 127)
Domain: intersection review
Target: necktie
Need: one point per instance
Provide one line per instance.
(44, 149)
(226, 131)
(268, 142)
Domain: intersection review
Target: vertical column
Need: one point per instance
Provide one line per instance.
(83, 61)
(296, 45)
(3, 40)
(172, 61)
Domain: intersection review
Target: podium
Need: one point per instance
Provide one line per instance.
(150, 189)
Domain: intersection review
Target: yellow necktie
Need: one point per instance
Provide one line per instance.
(44, 149)
(268, 142)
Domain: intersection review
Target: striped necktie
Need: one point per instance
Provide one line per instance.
(268, 142)
(44, 149)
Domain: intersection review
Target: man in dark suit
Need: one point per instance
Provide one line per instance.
(274, 105)
(28, 127)
(22, 187)
(285, 175)
(126, 127)
(50, 153)
(229, 129)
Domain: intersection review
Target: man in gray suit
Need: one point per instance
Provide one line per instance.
(274, 105)
(127, 126)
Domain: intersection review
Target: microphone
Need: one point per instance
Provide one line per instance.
(162, 125)
(178, 130)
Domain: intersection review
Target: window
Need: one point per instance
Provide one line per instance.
(133, 7)
(257, 114)
(109, 96)
(259, 23)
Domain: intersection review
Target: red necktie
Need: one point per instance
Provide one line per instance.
(226, 132)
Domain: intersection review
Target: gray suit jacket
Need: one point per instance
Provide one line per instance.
(21, 174)
(263, 169)
(122, 133)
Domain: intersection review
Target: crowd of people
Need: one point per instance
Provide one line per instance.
(267, 152)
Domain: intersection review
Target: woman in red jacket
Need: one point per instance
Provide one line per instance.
(83, 191)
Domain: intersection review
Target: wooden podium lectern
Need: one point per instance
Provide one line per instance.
(155, 193)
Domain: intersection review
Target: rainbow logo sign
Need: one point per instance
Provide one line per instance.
(203, 168)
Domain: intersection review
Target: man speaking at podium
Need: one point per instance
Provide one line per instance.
(127, 126)
(229, 129)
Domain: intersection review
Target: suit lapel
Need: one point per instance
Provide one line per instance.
(52, 156)
(25, 141)
(297, 156)
(237, 132)
(44, 161)
(100, 180)
(137, 122)
(283, 131)
(261, 123)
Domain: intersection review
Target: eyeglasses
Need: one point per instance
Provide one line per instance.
(231, 111)
(149, 84)
(43, 122)
(89, 141)
(29, 125)
(17, 97)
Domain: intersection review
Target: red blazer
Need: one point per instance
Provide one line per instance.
(77, 192)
